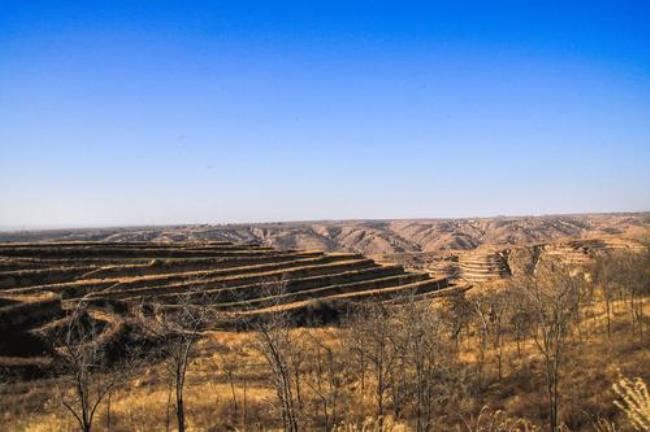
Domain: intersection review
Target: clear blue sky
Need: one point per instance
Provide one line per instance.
(156, 112)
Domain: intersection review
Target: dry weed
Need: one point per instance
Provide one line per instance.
(634, 402)
(602, 425)
(498, 421)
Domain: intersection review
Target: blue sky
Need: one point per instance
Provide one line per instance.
(140, 112)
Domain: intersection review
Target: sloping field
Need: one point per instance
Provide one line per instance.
(41, 283)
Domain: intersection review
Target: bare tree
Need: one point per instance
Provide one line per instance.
(490, 310)
(178, 327)
(274, 340)
(519, 317)
(372, 327)
(552, 297)
(230, 365)
(607, 278)
(81, 356)
(633, 278)
(456, 312)
(421, 342)
(481, 318)
(324, 379)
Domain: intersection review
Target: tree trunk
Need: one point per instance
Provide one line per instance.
(180, 409)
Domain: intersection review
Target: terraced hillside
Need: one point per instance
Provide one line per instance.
(487, 263)
(40, 283)
(481, 265)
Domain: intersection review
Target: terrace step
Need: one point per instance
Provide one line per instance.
(487, 270)
(31, 263)
(415, 288)
(233, 289)
(82, 244)
(25, 278)
(428, 296)
(286, 297)
(232, 278)
(20, 313)
(174, 277)
(83, 287)
(168, 266)
(483, 267)
(480, 278)
(205, 267)
(152, 252)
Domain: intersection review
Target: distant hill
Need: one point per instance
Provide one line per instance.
(374, 237)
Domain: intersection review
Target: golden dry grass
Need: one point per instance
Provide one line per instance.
(596, 363)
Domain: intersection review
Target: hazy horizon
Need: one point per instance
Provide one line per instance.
(9, 228)
(162, 114)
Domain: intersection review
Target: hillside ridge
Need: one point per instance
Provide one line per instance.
(372, 237)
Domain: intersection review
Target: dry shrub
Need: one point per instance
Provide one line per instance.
(634, 402)
(372, 424)
(498, 421)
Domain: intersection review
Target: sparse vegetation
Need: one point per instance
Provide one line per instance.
(236, 347)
